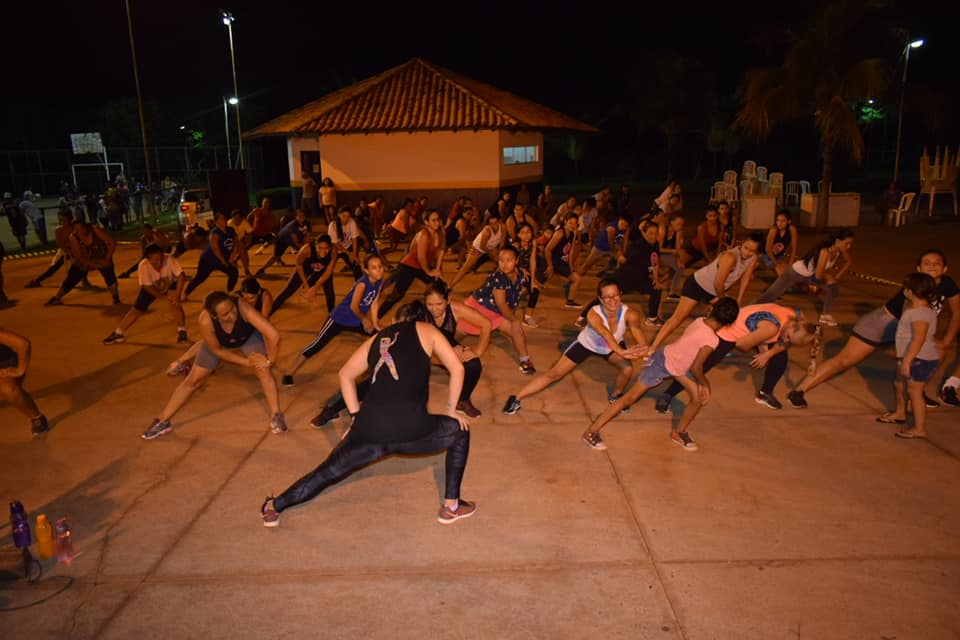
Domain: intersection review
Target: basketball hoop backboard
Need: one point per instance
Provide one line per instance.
(84, 143)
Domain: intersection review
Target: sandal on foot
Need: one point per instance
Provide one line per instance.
(910, 433)
(887, 418)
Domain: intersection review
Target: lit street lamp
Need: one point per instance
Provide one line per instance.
(228, 19)
(916, 44)
(226, 125)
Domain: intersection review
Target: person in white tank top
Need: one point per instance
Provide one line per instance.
(487, 244)
(607, 325)
(711, 282)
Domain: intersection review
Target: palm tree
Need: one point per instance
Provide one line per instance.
(840, 58)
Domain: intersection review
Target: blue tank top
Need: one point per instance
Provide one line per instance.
(602, 243)
(343, 314)
(226, 240)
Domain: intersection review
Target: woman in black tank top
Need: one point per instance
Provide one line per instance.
(226, 325)
(313, 271)
(393, 418)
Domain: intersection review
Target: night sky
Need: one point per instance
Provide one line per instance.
(76, 57)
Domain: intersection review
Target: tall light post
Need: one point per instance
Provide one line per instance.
(228, 19)
(226, 126)
(143, 124)
(916, 44)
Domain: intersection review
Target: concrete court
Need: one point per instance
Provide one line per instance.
(792, 524)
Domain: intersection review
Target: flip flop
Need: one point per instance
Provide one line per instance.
(909, 434)
(888, 419)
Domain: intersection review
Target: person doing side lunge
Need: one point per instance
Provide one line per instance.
(313, 271)
(498, 300)
(681, 360)
(357, 312)
(255, 295)
(878, 328)
(220, 255)
(445, 314)
(709, 283)
(607, 326)
(819, 267)
(783, 239)
(90, 248)
(423, 261)
(486, 246)
(160, 276)
(771, 329)
(393, 417)
(228, 324)
(560, 257)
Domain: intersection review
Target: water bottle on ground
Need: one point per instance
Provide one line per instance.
(64, 533)
(45, 545)
(19, 526)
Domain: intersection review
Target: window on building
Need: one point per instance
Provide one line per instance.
(520, 155)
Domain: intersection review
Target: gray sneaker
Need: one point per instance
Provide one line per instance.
(512, 406)
(157, 428)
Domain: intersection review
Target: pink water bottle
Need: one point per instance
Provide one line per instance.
(65, 553)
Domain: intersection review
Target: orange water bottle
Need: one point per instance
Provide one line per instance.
(45, 545)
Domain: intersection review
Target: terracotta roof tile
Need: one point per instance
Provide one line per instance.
(417, 96)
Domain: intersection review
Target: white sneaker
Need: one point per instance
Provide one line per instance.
(827, 320)
(528, 321)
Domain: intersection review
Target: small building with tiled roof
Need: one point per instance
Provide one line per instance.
(419, 129)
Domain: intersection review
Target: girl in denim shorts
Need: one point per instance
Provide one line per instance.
(917, 354)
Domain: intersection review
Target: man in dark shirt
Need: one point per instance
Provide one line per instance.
(291, 235)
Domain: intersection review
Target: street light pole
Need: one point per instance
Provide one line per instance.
(143, 125)
(226, 131)
(228, 21)
(916, 44)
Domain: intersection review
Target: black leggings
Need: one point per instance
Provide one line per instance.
(76, 274)
(205, 268)
(354, 267)
(294, 283)
(330, 329)
(52, 269)
(352, 454)
(401, 281)
(533, 295)
(776, 367)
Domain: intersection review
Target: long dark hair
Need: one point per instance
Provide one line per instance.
(415, 311)
(810, 257)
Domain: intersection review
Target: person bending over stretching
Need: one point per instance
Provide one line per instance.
(393, 418)
(14, 362)
(607, 324)
(682, 360)
(228, 324)
(161, 276)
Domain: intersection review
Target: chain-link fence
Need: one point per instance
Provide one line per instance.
(43, 170)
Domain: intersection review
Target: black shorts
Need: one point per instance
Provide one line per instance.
(693, 290)
(144, 300)
(279, 247)
(577, 353)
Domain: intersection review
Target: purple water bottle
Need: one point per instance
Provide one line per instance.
(19, 525)
(64, 537)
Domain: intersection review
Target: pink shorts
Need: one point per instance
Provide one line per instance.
(494, 317)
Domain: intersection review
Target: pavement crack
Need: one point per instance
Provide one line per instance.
(128, 597)
(104, 544)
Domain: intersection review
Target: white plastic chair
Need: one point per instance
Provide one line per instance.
(898, 216)
(804, 187)
(717, 192)
(730, 177)
(792, 192)
(775, 187)
(762, 174)
(746, 188)
(749, 170)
